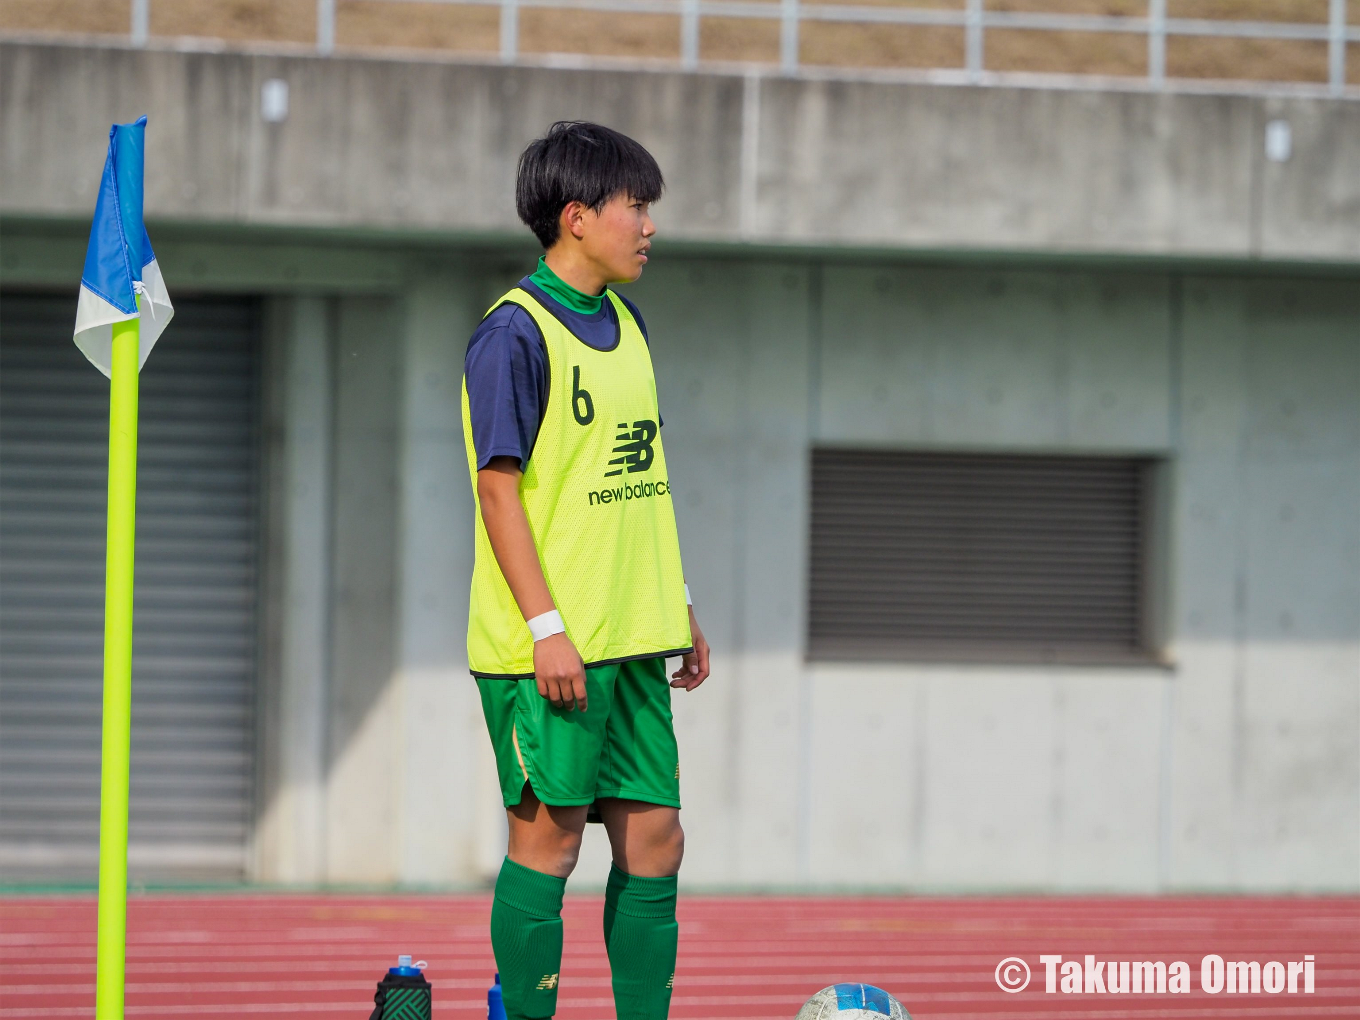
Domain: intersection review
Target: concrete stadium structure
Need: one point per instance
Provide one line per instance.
(842, 263)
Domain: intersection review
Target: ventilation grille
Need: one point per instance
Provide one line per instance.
(966, 556)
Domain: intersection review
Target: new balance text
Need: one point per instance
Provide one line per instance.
(641, 490)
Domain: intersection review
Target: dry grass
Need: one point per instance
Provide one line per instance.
(1109, 53)
(920, 5)
(599, 33)
(1264, 59)
(238, 20)
(739, 39)
(1250, 10)
(1108, 8)
(99, 16)
(827, 43)
(418, 26)
(467, 29)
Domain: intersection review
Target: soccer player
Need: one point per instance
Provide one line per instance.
(578, 595)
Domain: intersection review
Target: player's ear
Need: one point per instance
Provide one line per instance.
(573, 219)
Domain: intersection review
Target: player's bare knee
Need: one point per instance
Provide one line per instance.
(677, 846)
(675, 838)
(561, 846)
(667, 849)
(568, 852)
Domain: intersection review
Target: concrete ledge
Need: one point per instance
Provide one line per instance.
(430, 148)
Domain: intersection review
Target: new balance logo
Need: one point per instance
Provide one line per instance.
(635, 445)
(547, 982)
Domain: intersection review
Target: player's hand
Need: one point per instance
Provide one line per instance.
(694, 665)
(560, 673)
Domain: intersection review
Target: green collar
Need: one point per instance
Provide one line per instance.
(577, 301)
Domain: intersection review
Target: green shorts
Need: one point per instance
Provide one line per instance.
(622, 746)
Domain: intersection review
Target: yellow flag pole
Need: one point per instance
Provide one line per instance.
(118, 577)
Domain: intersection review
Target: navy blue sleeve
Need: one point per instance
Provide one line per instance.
(642, 326)
(637, 317)
(506, 371)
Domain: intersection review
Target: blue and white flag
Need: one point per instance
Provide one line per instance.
(120, 264)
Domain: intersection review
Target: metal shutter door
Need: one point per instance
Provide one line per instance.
(194, 622)
(963, 556)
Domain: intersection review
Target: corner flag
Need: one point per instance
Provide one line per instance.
(119, 264)
(122, 311)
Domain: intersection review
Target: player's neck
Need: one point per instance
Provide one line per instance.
(573, 268)
(566, 290)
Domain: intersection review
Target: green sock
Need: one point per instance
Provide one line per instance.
(526, 935)
(641, 933)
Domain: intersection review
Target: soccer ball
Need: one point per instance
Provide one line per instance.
(850, 1000)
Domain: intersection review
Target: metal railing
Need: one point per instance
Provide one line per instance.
(973, 18)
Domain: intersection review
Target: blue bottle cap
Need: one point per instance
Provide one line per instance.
(405, 968)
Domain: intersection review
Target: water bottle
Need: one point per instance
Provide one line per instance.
(495, 1006)
(403, 993)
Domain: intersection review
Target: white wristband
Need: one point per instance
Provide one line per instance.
(688, 601)
(546, 625)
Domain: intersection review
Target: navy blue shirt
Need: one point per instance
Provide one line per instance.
(507, 373)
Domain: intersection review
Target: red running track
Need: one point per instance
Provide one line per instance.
(750, 957)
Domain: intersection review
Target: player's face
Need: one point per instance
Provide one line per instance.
(617, 238)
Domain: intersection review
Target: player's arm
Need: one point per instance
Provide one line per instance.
(558, 669)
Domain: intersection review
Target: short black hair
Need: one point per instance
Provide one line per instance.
(577, 161)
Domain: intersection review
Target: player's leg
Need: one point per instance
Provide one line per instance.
(547, 765)
(544, 837)
(526, 914)
(646, 839)
(640, 930)
(639, 791)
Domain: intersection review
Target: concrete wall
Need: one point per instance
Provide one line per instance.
(1268, 604)
(430, 148)
(377, 217)
(1243, 751)
(369, 753)
(1236, 766)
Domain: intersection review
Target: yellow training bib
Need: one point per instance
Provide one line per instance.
(599, 505)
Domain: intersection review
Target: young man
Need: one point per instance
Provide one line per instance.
(578, 595)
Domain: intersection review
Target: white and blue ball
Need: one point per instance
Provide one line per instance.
(850, 1000)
